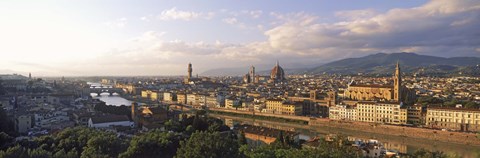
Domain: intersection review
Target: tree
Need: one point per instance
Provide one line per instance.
(6, 125)
(199, 123)
(472, 105)
(242, 140)
(72, 154)
(14, 152)
(104, 145)
(422, 153)
(60, 154)
(451, 103)
(39, 153)
(205, 144)
(175, 126)
(5, 140)
(152, 144)
(338, 148)
(428, 100)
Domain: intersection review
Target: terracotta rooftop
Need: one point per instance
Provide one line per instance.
(109, 118)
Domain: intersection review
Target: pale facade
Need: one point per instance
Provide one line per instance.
(278, 106)
(200, 100)
(229, 103)
(211, 101)
(381, 112)
(454, 118)
(23, 123)
(182, 98)
(167, 96)
(342, 112)
(149, 94)
(191, 99)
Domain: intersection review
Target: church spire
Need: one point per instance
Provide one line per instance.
(397, 84)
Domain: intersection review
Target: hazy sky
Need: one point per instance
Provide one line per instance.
(140, 37)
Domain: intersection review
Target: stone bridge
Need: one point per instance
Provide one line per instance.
(100, 90)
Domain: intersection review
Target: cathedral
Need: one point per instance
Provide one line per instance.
(277, 74)
(396, 92)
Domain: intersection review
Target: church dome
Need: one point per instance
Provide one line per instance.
(277, 73)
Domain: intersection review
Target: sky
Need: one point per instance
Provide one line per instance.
(146, 37)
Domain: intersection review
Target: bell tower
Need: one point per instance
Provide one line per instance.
(190, 71)
(252, 74)
(397, 84)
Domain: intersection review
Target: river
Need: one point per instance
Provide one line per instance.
(398, 143)
(114, 99)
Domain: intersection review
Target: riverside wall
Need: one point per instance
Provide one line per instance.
(403, 131)
(413, 132)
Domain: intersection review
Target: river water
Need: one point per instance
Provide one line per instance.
(400, 144)
(114, 99)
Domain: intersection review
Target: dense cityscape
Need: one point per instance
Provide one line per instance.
(272, 79)
(173, 108)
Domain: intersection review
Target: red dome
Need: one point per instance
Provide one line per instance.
(277, 73)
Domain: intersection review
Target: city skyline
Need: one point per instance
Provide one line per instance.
(91, 38)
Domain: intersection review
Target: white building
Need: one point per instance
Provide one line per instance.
(167, 96)
(191, 99)
(109, 121)
(342, 112)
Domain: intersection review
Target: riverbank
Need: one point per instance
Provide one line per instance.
(413, 132)
(401, 131)
(400, 143)
(260, 117)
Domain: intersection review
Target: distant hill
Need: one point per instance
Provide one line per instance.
(243, 71)
(261, 69)
(383, 63)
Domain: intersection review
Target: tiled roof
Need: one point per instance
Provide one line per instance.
(109, 118)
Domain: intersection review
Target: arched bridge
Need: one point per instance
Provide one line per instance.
(100, 90)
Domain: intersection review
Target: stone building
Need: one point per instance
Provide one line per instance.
(381, 112)
(453, 118)
(277, 74)
(284, 107)
(416, 114)
(342, 112)
(370, 92)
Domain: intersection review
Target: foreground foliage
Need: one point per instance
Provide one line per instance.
(193, 137)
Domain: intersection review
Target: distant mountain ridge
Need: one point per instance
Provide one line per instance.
(382, 63)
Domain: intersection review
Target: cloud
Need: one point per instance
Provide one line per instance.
(117, 23)
(145, 18)
(356, 14)
(230, 21)
(252, 13)
(440, 27)
(174, 14)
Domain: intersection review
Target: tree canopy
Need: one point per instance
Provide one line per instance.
(205, 144)
(152, 144)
